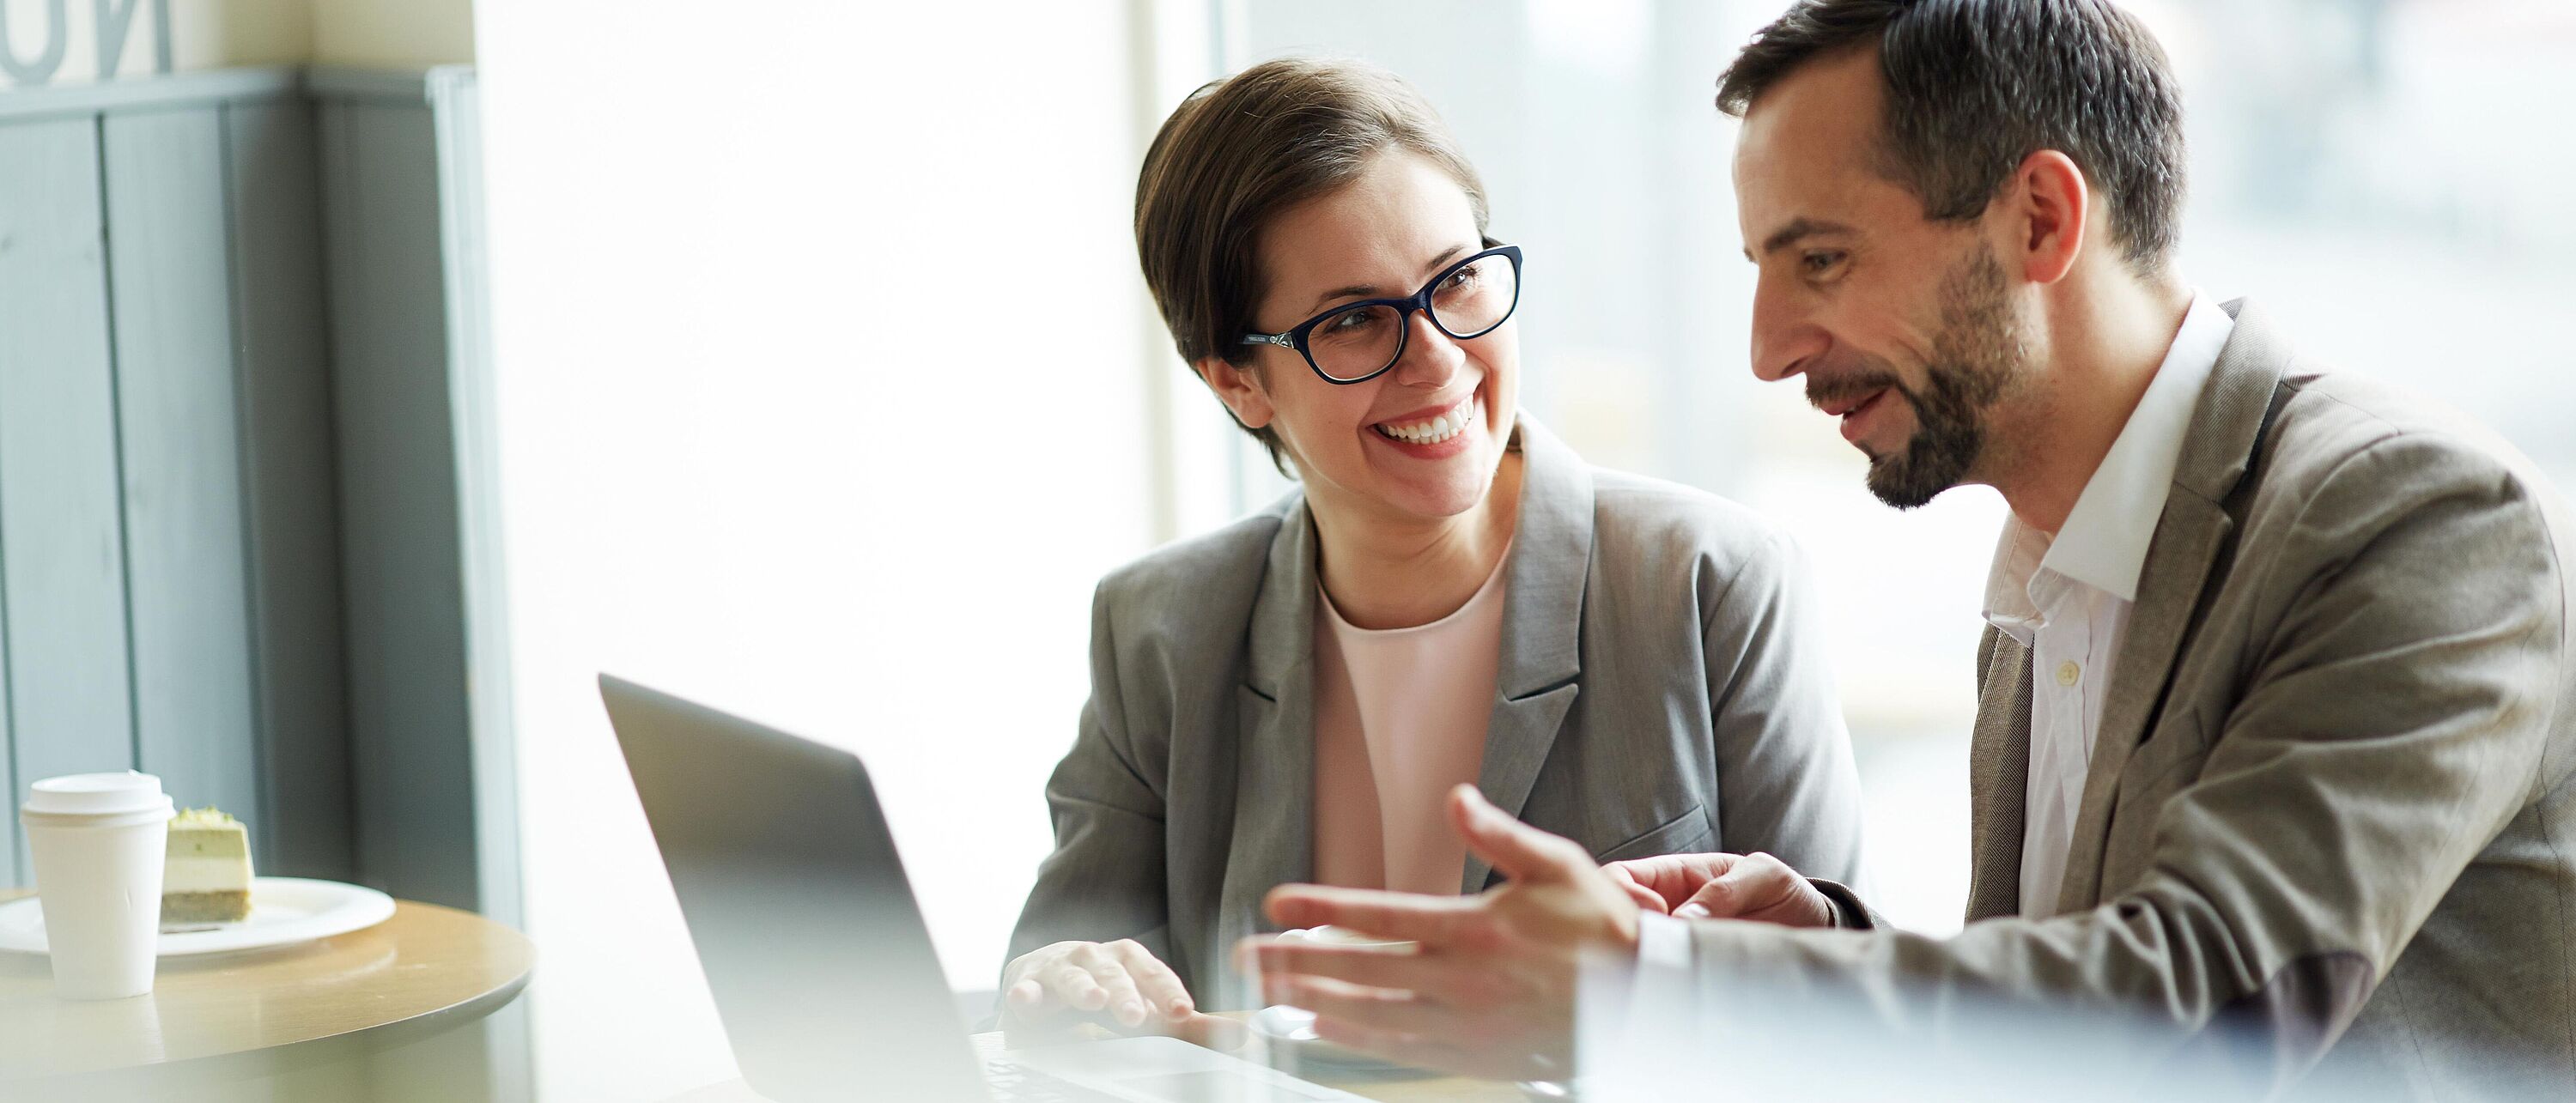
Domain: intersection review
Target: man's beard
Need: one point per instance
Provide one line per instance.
(1976, 358)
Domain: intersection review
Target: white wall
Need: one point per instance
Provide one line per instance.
(212, 34)
(393, 34)
(822, 391)
(215, 34)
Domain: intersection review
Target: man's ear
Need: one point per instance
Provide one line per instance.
(2050, 214)
(1236, 387)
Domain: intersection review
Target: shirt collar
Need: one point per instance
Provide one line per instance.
(2104, 541)
(2010, 603)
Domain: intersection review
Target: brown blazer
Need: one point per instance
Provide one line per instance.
(2329, 817)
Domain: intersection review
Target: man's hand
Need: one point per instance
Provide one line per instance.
(1489, 989)
(1756, 887)
(1121, 986)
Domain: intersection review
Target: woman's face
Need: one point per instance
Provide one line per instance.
(1379, 446)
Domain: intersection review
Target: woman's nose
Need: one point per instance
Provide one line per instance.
(1430, 358)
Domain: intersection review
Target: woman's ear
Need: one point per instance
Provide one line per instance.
(1238, 389)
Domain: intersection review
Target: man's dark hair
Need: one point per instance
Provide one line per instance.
(1974, 86)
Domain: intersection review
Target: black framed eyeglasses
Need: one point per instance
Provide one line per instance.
(1357, 342)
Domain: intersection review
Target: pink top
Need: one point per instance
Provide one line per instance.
(1400, 719)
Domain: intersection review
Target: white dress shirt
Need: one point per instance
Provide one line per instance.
(2067, 598)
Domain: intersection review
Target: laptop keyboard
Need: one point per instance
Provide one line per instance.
(1014, 1083)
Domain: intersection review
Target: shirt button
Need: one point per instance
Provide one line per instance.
(2067, 672)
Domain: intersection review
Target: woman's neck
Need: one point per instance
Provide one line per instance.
(1402, 574)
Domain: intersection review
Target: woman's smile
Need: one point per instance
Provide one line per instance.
(1433, 432)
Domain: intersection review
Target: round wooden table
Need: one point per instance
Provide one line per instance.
(267, 1013)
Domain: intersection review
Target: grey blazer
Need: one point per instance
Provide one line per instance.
(2329, 824)
(1662, 689)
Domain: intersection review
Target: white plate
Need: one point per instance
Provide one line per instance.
(283, 911)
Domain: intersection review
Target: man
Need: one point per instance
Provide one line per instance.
(2277, 711)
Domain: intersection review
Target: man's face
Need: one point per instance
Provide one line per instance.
(1906, 329)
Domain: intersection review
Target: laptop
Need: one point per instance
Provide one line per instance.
(822, 970)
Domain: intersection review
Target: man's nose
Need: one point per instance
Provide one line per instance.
(1784, 339)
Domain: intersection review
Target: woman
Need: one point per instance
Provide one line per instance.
(1451, 595)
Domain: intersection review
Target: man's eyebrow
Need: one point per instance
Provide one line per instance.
(1797, 230)
(1370, 290)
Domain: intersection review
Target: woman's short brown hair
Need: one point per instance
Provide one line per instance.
(1241, 150)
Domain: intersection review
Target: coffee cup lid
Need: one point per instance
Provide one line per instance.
(121, 793)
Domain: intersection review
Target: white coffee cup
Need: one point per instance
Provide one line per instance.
(99, 841)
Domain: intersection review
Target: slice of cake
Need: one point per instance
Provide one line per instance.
(207, 879)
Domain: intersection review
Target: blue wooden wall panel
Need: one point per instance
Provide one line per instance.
(288, 489)
(411, 751)
(62, 545)
(187, 584)
(234, 546)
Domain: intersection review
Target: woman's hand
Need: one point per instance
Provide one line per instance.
(1120, 986)
(1756, 887)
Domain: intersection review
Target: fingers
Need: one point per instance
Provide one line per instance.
(1209, 1031)
(1735, 890)
(1399, 916)
(1122, 1003)
(1449, 981)
(1120, 984)
(1029, 995)
(1072, 984)
(1357, 1004)
(1673, 878)
(1519, 851)
(1156, 984)
(1757, 886)
(1646, 898)
(1026, 1001)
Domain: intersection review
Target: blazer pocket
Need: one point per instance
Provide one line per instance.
(2184, 742)
(1687, 833)
(2162, 767)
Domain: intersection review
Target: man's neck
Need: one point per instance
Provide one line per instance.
(1389, 573)
(2102, 350)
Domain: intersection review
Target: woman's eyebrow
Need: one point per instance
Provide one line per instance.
(1371, 291)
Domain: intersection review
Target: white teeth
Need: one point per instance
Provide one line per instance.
(1437, 429)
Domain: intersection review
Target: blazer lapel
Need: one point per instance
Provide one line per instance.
(1998, 778)
(2226, 426)
(1535, 678)
(1274, 840)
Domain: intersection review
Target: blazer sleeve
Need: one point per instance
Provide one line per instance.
(1104, 881)
(1786, 782)
(2390, 723)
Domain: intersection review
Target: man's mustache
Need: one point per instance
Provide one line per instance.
(1825, 390)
